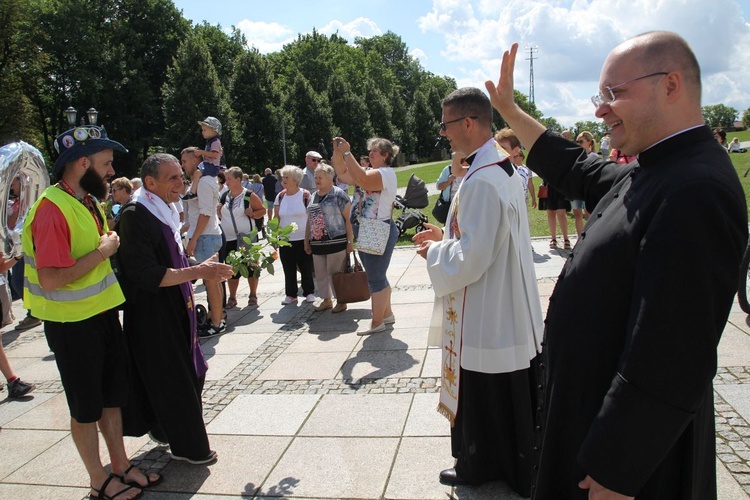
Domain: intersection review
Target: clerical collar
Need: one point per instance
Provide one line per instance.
(661, 151)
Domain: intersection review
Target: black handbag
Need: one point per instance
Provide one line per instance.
(350, 285)
(440, 210)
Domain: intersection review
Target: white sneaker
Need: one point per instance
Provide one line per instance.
(288, 300)
(310, 298)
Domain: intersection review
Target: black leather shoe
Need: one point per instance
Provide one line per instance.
(449, 477)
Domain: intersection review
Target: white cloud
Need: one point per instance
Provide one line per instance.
(575, 36)
(266, 37)
(419, 54)
(360, 27)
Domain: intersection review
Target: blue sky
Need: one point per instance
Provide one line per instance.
(465, 38)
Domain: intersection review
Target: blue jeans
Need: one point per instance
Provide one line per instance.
(377, 265)
(208, 244)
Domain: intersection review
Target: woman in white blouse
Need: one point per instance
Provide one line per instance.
(239, 221)
(376, 188)
(291, 206)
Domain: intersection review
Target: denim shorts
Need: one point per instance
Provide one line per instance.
(208, 244)
(577, 204)
(377, 265)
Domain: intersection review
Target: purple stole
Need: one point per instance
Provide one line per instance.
(179, 261)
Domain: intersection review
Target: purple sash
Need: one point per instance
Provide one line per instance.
(179, 261)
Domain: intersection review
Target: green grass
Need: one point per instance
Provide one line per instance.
(537, 218)
(431, 171)
(741, 161)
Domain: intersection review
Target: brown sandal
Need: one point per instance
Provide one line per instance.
(553, 243)
(231, 303)
(252, 301)
(566, 245)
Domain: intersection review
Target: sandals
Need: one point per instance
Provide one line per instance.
(252, 301)
(566, 245)
(135, 484)
(553, 243)
(231, 303)
(100, 495)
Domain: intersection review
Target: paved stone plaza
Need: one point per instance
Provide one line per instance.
(297, 405)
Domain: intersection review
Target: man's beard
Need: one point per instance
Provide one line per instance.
(93, 183)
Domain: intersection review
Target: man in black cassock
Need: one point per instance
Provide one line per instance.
(626, 405)
(167, 364)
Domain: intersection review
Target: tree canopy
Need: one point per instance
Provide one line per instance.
(152, 75)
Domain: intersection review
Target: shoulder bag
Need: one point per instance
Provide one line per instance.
(350, 285)
(373, 233)
(241, 242)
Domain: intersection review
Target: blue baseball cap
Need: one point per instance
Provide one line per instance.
(82, 141)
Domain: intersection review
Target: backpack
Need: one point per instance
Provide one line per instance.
(246, 199)
(305, 196)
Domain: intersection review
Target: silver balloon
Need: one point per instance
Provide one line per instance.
(23, 178)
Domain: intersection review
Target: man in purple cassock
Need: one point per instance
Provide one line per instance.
(167, 365)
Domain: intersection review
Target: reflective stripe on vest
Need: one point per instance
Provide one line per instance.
(71, 295)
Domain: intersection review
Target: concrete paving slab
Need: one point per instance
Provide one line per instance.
(432, 363)
(424, 419)
(219, 365)
(383, 364)
(36, 370)
(400, 337)
(234, 344)
(37, 349)
(303, 366)
(334, 467)
(358, 415)
(23, 491)
(418, 464)
(738, 396)
(244, 462)
(21, 446)
(734, 347)
(413, 315)
(10, 409)
(264, 415)
(356, 316)
(60, 464)
(324, 342)
(51, 414)
(426, 296)
(727, 487)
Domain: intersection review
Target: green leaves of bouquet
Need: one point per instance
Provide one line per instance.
(252, 257)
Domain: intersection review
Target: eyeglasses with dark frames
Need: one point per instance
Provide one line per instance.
(443, 125)
(608, 96)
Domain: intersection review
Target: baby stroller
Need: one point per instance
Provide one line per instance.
(414, 198)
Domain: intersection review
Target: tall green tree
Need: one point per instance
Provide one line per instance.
(144, 37)
(109, 55)
(552, 124)
(719, 115)
(598, 128)
(224, 47)
(380, 111)
(192, 92)
(311, 118)
(255, 103)
(349, 113)
(425, 125)
(746, 118)
(15, 110)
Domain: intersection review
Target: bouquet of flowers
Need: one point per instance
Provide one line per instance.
(253, 256)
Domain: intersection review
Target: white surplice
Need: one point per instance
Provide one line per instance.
(487, 310)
